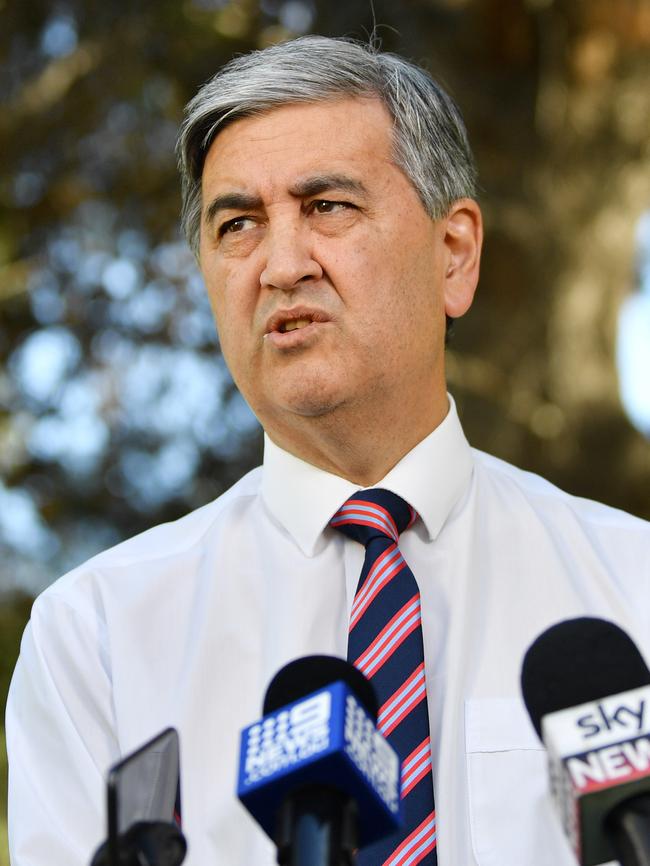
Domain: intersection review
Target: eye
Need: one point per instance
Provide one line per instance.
(325, 206)
(238, 224)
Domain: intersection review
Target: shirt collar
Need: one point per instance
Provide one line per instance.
(431, 478)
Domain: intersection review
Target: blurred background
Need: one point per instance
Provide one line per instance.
(116, 409)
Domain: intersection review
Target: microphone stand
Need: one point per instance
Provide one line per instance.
(317, 826)
(146, 843)
(628, 830)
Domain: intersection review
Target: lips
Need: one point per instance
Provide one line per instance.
(295, 319)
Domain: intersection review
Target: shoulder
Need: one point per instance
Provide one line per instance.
(165, 553)
(543, 495)
(574, 555)
(523, 494)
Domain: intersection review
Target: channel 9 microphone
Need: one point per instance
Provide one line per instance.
(314, 772)
(587, 690)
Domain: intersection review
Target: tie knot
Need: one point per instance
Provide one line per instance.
(372, 513)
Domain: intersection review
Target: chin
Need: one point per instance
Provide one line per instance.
(312, 400)
(312, 406)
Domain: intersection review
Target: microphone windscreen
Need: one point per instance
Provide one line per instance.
(308, 674)
(577, 661)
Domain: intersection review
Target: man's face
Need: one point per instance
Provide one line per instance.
(325, 274)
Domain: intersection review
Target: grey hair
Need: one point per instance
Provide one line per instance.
(429, 138)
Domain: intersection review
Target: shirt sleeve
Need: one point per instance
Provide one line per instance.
(60, 737)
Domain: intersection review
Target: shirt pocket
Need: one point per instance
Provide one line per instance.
(512, 821)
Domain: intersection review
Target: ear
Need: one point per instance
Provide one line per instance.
(463, 240)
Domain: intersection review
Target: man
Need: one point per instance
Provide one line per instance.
(328, 195)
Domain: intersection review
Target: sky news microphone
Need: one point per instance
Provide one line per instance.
(587, 690)
(314, 772)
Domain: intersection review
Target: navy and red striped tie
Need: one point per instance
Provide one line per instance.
(385, 643)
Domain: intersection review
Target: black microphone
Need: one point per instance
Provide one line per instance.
(143, 807)
(314, 771)
(587, 690)
(145, 843)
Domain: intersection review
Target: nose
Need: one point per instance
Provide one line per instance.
(289, 258)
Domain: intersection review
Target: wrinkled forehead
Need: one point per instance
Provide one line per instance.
(329, 104)
(348, 137)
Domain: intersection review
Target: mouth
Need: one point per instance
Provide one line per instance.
(285, 321)
(294, 324)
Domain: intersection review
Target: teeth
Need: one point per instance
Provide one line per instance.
(294, 324)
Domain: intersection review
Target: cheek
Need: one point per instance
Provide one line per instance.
(396, 289)
(407, 310)
(225, 317)
(235, 306)
(230, 295)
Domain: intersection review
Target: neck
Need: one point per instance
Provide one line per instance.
(353, 448)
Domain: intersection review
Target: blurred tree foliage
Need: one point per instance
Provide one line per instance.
(14, 612)
(116, 411)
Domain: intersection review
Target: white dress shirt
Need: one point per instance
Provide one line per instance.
(186, 624)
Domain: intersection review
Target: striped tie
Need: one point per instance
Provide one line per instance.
(385, 643)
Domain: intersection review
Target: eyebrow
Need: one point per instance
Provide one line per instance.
(322, 182)
(231, 201)
(303, 189)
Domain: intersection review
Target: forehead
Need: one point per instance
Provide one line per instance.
(343, 135)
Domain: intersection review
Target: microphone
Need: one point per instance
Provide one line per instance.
(143, 807)
(314, 772)
(587, 690)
